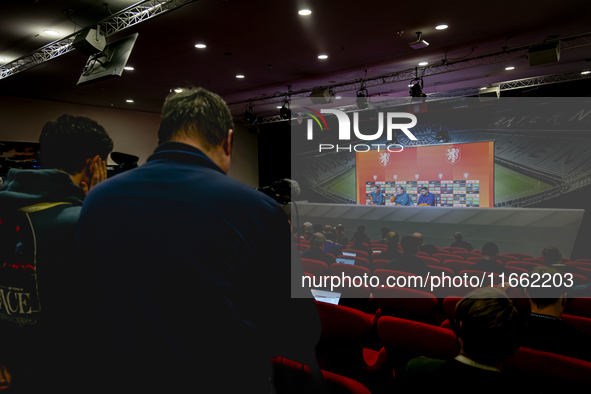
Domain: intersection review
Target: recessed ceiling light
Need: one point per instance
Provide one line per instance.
(51, 32)
(128, 68)
(178, 90)
(304, 12)
(338, 97)
(410, 86)
(239, 76)
(2, 59)
(200, 46)
(509, 68)
(441, 27)
(279, 106)
(423, 63)
(584, 72)
(482, 88)
(322, 56)
(129, 101)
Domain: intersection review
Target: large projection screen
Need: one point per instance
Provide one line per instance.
(459, 175)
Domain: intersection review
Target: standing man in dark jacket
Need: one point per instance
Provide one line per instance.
(39, 211)
(192, 269)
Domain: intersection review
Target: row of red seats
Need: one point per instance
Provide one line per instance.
(345, 330)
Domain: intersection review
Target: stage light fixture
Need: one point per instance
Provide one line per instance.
(304, 12)
(423, 63)
(509, 68)
(441, 27)
(419, 43)
(416, 92)
(128, 68)
(362, 102)
(51, 32)
(285, 112)
(586, 72)
(200, 46)
(251, 118)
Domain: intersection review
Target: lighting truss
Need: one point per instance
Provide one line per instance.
(441, 67)
(464, 92)
(109, 26)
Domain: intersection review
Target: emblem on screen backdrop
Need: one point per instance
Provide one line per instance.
(466, 175)
(384, 159)
(417, 176)
(375, 177)
(453, 154)
(440, 176)
(395, 177)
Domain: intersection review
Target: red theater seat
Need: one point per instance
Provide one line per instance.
(436, 270)
(544, 372)
(579, 307)
(457, 266)
(406, 303)
(315, 267)
(582, 261)
(579, 279)
(524, 265)
(449, 306)
(443, 288)
(478, 251)
(340, 349)
(429, 260)
(506, 259)
(579, 264)
(582, 324)
(585, 272)
(445, 256)
(303, 248)
(339, 269)
(537, 261)
(352, 289)
(405, 339)
(379, 264)
(293, 377)
(516, 270)
(466, 255)
(519, 256)
(422, 254)
(452, 249)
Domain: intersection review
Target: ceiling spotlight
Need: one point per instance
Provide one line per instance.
(322, 56)
(423, 63)
(178, 90)
(51, 32)
(441, 27)
(362, 99)
(129, 101)
(509, 68)
(239, 76)
(304, 12)
(482, 88)
(128, 68)
(250, 117)
(338, 97)
(200, 46)
(416, 92)
(583, 73)
(285, 112)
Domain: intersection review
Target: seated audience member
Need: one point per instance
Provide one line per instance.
(330, 245)
(358, 245)
(327, 229)
(341, 239)
(546, 331)
(489, 330)
(306, 229)
(392, 240)
(384, 231)
(490, 254)
(360, 237)
(317, 228)
(316, 251)
(426, 248)
(552, 258)
(409, 262)
(460, 243)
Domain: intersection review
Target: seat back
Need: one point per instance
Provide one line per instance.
(429, 260)
(315, 267)
(496, 278)
(379, 264)
(579, 307)
(406, 303)
(339, 269)
(519, 256)
(579, 264)
(405, 339)
(516, 270)
(466, 255)
(419, 254)
(383, 276)
(544, 372)
(360, 261)
(536, 260)
(304, 248)
(457, 266)
(449, 306)
(582, 324)
(525, 266)
(445, 256)
(359, 253)
(452, 249)
(506, 259)
(436, 270)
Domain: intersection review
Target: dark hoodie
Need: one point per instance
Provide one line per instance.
(38, 275)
